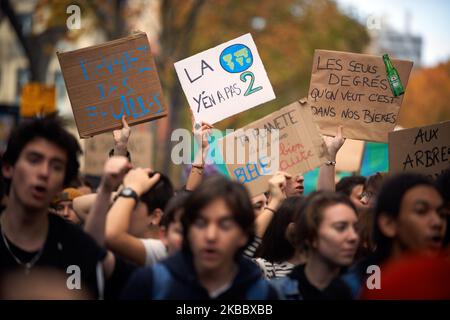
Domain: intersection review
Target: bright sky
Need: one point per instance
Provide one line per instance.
(429, 19)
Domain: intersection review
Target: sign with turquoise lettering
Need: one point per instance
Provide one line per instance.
(225, 80)
(111, 80)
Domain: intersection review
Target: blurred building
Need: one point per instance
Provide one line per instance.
(396, 43)
(14, 65)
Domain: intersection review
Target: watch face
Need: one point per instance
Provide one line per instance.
(127, 192)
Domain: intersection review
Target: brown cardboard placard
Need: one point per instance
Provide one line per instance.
(301, 146)
(96, 151)
(349, 157)
(424, 150)
(112, 79)
(37, 99)
(352, 90)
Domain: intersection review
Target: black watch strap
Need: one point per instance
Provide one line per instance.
(129, 193)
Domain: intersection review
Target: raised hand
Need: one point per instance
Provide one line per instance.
(334, 143)
(140, 181)
(121, 137)
(113, 172)
(277, 186)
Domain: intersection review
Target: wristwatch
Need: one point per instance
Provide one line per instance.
(129, 193)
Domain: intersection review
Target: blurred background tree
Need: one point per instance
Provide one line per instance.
(427, 97)
(286, 33)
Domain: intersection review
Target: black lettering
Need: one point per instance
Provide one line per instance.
(335, 77)
(419, 155)
(407, 161)
(237, 89)
(205, 66)
(419, 135)
(331, 64)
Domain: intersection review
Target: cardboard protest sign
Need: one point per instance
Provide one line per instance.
(107, 81)
(37, 99)
(225, 80)
(300, 147)
(96, 151)
(424, 150)
(352, 90)
(350, 155)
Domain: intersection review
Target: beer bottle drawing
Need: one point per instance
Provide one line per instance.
(393, 77)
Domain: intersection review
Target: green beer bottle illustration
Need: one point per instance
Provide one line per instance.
(393, 77)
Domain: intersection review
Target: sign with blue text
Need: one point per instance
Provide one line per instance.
(225, 80)
(108, 81)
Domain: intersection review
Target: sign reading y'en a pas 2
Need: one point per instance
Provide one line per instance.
(225, 80)
(108, 81)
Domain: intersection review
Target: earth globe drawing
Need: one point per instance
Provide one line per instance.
(236, 58)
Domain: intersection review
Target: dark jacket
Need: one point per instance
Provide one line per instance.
(175, 279)
(296, 286)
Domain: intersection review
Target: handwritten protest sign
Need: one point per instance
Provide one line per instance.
(350, 155)
(352, 90)
(424, 150)
(37, 98)
(107, 81)
(96, 151)
(224, 80)
(300, 146)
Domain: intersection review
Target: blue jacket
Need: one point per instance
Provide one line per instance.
(175, 279)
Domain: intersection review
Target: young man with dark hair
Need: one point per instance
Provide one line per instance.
(218, 223)
(352, 187)
(410, 217)
(133, 222)
(41, 157)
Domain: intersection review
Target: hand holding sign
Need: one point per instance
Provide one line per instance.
(121, 138)
(277, 186)
(334, 143)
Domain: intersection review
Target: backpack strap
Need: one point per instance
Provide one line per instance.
(287, 288)
(259, 290)
(161, 281)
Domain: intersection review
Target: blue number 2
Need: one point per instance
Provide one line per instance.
(250, 88)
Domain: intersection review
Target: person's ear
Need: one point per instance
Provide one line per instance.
(7, 170)
(155, 217)
(387, 225)
(290, 233)
(313, 244)
(163, 235)
(243, 240)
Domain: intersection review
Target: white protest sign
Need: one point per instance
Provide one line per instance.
(225, 80)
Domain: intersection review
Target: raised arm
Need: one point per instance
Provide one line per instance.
(113, 174)
(201, 132)
(119, 216)
(327, 172)
(277, 190)
(121, 138)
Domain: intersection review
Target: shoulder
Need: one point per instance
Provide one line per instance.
(139, 286)
(287, 288)
(154, 250)
(73, 238)
(61, 227)
(266, 267)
